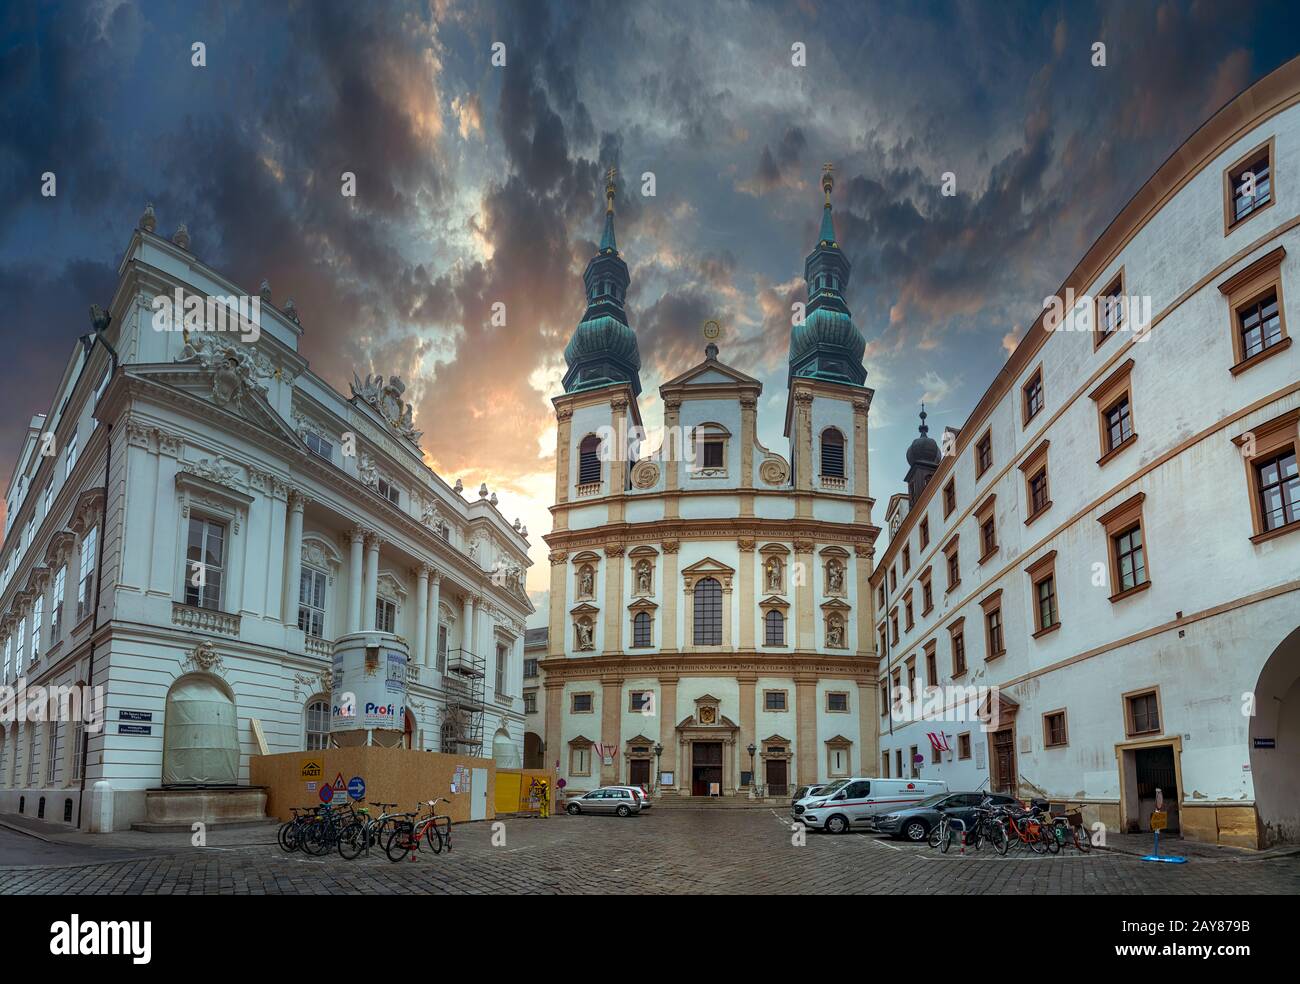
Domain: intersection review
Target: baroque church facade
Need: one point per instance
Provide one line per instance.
(710, 621)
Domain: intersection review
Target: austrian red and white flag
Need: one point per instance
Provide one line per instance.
(938, 741)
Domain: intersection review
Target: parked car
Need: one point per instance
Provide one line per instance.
(915, 822)
(858, 801)
(811, 794)
(618, 800)
(805, 792)
(641, 795)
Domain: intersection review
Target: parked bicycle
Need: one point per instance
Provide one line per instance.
(367, 831)
(411, 828)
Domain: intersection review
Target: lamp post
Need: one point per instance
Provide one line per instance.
(659, 750)
(753, 776)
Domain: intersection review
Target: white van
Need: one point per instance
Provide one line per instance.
(854, 802)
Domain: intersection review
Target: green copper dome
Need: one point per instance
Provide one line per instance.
(603, 349)
(827, 345)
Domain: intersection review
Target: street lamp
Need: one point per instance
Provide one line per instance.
(752, 775)
(659, 750)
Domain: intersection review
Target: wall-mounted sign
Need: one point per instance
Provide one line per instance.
(311, 768)
(1265, 742)
(135, 715)
(135, 729)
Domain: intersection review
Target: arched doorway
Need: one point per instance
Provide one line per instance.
(410, 734)
(505, 753)
(1275, 744)
(200, 734)
(533, 753)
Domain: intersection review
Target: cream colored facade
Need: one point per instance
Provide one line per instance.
(766, 537)
(1187, 676)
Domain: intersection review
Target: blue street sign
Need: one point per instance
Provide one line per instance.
(357, 788)
(326, 794)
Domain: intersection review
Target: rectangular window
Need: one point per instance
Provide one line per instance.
(837, 702)
(958, 654)
(923, 532)
(318, 725)
(580, 703)
(893, 579)
(385, 615)
(390, 491)
(907, 612)
(1054, 734)
(442, 648)
(1038, 500)
(893, 627)
(319, 446)
(502, 684)
(205, 563)
(78, 749)
(1260, 325)
(56, 604)
(70, 454)
(1119, 423)
(954, 570)
(1111, 310)
(988, 537)
(1130, 559)
(1248, 186)
(931, 667)
(580, 760)
(774, 700)
(1278, 489)
(963, 746)
(993, 626)
(530, 702)
(927, 596)
(639, 700)
(712, 454)
(1143, 713)
(86, 575)
(47, 499)
(530, 669)
(983, 454)
(949, 498)
(1045, 591)
(311, 602)
(38, 618)
(907, 559)
(1033, 396)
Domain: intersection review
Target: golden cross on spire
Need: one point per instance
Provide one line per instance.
(828, 180)
(610, 188)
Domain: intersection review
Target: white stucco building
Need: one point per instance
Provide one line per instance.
(711, 596)
(1114, 540)
(205, 521)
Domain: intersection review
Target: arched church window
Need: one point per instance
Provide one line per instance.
(708, 612)
(832, 453)
(318, 724)
(589, 460)
(774, 628)
(641, 630)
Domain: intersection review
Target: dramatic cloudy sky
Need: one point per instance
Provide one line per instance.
(479, 184)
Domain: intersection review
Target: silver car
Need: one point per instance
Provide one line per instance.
(639, 793)
(618, 800)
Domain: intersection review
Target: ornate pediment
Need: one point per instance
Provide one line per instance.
(385, 398)
(237, 368)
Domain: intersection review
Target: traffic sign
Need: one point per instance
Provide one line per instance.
(326, 793)
(357, 788)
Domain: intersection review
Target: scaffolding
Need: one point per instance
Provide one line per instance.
(464, 683)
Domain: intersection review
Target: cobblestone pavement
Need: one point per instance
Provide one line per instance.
(682, 851)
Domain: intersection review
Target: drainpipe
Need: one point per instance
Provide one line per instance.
(101, 320)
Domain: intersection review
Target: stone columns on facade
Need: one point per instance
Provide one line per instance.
(371, 590)
(611, 714)
(748, 405)
(468, 614)
(748, 608)
(357, 539)
(671, 591)
(868, 726)
(292, 561)
(748, 711)
(672, 461)
(434, 621)
(555, 643)
(860, 472)
(421, 612)
(668, 726)
(805, 704)
(805, 628)
(554, 714)
(865, 602)
(614, 610)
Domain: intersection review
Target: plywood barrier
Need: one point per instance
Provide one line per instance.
(520, 791)
(391, 775)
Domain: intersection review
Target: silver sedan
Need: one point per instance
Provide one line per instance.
(618, 800)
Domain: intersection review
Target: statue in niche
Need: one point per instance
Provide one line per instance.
(834, 577)
(834, 632)
(773, 575)
(586, 583)
(584, 635)
(643, 577)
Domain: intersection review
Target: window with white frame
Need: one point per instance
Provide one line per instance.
(21, 640)
(48, 498)
(390, 491)
(319, 446)
(52, 752)
(442, 647)
(205, 563)
(502, 652)
(9, 647)
(318, 725)
(56, 603)
(385, 615)
(38, 616)
(78, 748)
(33, 755)
(86, 575)
(311, 602)
(70, 454)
